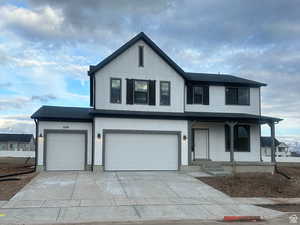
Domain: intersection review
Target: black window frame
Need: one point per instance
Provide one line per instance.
(111, 100)
(147, 102)
(227, 102)
(141, 56)
(236, 138)
(160, 93)
(193, 91)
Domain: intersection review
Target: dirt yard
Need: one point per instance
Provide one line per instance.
(283, 207)
(9, 188)
(258, 184)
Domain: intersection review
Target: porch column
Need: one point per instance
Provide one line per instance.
(231, 128)
(273, 147)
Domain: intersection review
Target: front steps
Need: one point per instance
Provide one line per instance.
(210, 167)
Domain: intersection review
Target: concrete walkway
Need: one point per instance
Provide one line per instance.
(54, 197)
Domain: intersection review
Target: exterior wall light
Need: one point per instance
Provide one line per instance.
(41, 135)
(99, 136)
(184, 138)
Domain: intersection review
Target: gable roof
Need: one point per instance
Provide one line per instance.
(216, 79)
(16, 137)
(267, 141)
(123, 48)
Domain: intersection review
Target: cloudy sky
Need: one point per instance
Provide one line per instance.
(46, 47)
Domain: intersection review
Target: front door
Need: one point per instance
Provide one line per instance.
(201, 144)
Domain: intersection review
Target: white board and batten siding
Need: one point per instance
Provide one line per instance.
(125, 67)
(59, 141)
(217, 102)
(217, 143)
(167, 152)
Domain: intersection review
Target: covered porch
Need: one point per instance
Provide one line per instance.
(230, 140)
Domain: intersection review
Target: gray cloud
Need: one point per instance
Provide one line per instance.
(43, 98)
(6, 84)
(256, 39)
(21, 102)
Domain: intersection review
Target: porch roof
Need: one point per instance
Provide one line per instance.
(200, 116)
(57, 113)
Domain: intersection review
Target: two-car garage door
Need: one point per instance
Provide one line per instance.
(141, 150)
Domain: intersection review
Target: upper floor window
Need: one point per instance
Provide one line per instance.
(141, 56)
(197, 94)
(141, 92)
(115, 90)
(241, 138)
(165, 92)
(237, 96)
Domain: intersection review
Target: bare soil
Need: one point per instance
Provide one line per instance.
(283, 207)
(9, 188)
(258, 184)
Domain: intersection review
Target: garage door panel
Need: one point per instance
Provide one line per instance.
(65, 151)
(141, 151)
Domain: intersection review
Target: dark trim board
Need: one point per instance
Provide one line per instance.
(117, 131)
(57, 131)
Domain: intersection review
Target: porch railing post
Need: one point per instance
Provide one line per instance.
(273, 147)
(231, 128)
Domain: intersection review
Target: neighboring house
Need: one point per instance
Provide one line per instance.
(148, 114)
(17, 145)
(282, 149)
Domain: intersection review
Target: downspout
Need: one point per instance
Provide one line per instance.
(36, 143)
(93, 144)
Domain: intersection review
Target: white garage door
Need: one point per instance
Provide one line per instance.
(130, 151)
(65, 151)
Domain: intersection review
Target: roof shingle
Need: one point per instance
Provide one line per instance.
(16, 137)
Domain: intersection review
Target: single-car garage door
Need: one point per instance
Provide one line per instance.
(65, 151)
(142, 150)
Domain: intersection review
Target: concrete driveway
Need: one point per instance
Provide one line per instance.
(121, 196)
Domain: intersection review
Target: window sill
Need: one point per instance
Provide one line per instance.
(238, 151)
(238, 104)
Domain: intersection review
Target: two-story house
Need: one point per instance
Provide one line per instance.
(146, 113)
